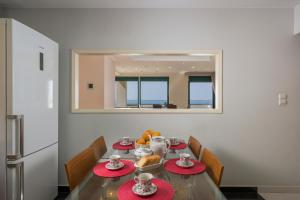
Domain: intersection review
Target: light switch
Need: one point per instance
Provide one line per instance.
(90, 85)
(282, 99)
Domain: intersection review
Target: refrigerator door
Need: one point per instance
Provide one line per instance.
(2, 109)
(32, 90)
(32, 177)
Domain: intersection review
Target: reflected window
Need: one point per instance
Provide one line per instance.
(201, 92)
(154, 90)
(126, 92)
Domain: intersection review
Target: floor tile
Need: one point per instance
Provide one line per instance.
(280, 196)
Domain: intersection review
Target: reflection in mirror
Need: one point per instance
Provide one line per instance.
(147, 81)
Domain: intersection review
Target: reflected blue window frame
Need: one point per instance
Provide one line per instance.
(155, 79)
(139, 80)
(199, 79)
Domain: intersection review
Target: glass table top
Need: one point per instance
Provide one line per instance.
(193, 187)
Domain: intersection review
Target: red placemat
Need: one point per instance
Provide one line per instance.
(181, 145)
(171, 166)
(118, 146)
(100, 169)
(164, 191)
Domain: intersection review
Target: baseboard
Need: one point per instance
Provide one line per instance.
(278, 189)
(239, 193)
(268, 188)
(62, 192)
(230, 189)
(63, 189)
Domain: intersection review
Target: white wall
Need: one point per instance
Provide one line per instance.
(257, 141)
(297, 19)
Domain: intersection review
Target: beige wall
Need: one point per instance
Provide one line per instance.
(91, 70)
(254, 137)
(100, 71)
(109, 83)
(178, 87)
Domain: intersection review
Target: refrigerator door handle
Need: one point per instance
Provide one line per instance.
(15, 180)
(15, 140)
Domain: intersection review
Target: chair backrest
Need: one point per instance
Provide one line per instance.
(195, 146)
(214, 167)
(79, 166)
(99, 147)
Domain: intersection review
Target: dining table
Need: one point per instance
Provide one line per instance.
(187, 187)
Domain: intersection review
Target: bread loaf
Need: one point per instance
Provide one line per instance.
(148, 160)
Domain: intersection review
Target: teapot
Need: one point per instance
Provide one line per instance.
(159, 145)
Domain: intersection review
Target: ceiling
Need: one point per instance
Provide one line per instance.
(146, 64)
(149, 3)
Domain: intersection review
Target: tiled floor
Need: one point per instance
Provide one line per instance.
(280, 196)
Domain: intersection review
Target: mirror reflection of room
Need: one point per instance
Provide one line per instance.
(155, 81)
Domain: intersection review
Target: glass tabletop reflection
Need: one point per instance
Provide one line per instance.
(193, 187)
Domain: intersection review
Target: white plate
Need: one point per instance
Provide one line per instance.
(135, 190)
(180, 164)
(110, 167)
(149, 167)
(125, 144)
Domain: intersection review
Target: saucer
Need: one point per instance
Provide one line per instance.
(111, 167)
(125, 144)
(180, 164)
(136, 190)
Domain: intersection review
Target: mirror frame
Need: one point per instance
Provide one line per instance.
(218, 53)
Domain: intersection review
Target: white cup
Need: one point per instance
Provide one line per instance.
(185, 158)
(126, 140)
(114, 160)
(173, 140)
(144, 180)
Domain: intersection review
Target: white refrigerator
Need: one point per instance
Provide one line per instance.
(28, 113)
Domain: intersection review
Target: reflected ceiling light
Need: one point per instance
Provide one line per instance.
(172, 58)
(201, 54)
(131, 54)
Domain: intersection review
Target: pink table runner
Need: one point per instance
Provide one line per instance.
(100, 169)
(171, 166)
(181, 145)
(164, 191)
(118, 146)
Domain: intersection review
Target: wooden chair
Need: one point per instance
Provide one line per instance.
(214, 167)
(195, 146)
(99, 147)
(79, 166)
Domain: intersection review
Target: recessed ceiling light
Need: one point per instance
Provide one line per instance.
(201, 54)
(131, 54)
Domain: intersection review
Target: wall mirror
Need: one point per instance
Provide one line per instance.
(144, 81)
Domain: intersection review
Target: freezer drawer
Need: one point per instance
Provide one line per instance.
(34, 177)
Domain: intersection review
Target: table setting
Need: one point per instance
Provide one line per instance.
(124, 144)
(149, 152)
(150, 167)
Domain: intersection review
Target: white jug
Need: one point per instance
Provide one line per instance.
(159, 145)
